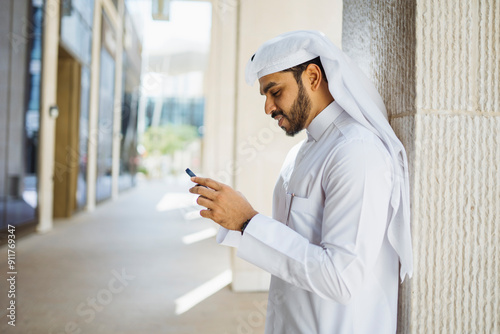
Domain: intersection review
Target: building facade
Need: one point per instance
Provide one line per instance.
(68, 107)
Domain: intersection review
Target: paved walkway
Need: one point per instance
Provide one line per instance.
(132, 266)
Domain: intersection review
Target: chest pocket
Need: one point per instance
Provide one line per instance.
(304, 215)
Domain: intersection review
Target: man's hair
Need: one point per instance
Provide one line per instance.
(299, 69)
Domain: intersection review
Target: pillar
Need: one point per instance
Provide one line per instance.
(48, 93)
(437, 66)
(94, 107)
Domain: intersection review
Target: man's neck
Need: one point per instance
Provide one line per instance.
(321, 106)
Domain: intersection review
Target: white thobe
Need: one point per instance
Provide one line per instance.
(333, 269)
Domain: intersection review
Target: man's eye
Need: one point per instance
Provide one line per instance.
(276, 93)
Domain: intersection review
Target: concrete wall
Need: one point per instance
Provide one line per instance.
(243, 147)
(437, 66)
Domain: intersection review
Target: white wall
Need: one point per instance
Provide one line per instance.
(261, 145)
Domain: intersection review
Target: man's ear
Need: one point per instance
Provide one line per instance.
(314, 76)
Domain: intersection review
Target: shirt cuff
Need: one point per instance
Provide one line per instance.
(229, 238)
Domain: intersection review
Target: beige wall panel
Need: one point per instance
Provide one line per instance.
(489, 56)
(218, 146)
(456, 233)
(260, 146)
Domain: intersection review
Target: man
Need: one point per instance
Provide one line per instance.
(341, 206)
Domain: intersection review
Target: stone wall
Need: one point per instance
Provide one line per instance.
(437, 66)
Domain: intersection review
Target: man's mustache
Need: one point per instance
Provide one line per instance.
(277, 113)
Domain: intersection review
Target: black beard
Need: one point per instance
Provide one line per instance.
(298, 112)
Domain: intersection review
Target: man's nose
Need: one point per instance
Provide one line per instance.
(269, 106)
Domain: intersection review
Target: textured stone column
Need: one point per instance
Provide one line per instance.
(437, 66)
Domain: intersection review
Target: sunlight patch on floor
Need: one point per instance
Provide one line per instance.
(196, 296)
(173, 201)
(195, 214)
(199, 236)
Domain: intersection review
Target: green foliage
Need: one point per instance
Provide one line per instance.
(164, 140)
(143, 170)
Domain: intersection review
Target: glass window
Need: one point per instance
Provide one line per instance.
(76, 28)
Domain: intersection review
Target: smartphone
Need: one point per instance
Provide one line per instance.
(190, 173)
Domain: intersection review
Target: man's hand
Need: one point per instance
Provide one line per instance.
(225, 206)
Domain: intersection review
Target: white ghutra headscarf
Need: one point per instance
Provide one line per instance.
(356, 94)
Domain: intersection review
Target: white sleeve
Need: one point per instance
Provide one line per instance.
(357, 186)
(227, 237)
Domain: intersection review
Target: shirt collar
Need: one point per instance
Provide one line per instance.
(323, 120)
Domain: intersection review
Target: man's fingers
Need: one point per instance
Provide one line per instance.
(203, 191)
(203, 201)
(207, 182)
(207, 214)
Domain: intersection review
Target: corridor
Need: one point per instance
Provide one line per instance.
(145, 263)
